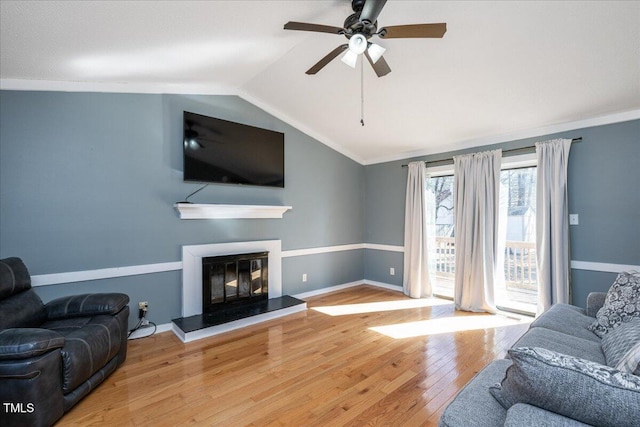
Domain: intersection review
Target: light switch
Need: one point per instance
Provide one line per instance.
(573, 219)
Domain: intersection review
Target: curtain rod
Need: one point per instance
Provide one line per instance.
(511, 152)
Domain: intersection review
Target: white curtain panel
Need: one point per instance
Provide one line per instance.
(552, 223)
(476, 208)
(417, 276)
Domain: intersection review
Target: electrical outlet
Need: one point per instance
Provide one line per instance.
(392, 271)
(304, 277)
(143, 307)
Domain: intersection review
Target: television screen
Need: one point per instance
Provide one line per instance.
(219, 151)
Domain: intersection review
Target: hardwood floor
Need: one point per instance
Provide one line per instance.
(310, 368)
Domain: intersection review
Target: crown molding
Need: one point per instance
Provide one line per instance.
(514, 136)
(115, 87)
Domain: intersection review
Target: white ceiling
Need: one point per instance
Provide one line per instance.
(503, 69)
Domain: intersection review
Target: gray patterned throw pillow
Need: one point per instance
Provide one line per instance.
(622, 304)
(621, 347)
(569, 386)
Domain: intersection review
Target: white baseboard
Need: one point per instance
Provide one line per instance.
(384, 285)
(348, 285)
(142, 333)
(327, 290)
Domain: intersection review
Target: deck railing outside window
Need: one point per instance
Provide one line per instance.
(519, 269)
(520, 265)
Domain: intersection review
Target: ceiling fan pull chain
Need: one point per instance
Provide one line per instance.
(362, 91)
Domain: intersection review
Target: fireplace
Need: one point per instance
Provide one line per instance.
(192, 256)
(197, 323)
(234, 280)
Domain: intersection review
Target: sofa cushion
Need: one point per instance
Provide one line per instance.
(621, 347)
(622, 304)
(521, 414)
(474, 406)
(562, 343)
(90, 342)
(567, 319)
(569, 386)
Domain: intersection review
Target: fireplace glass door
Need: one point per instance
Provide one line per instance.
(234, 279)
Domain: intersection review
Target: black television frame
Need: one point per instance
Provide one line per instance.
(202, 132)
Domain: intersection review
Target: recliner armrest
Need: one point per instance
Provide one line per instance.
(595, 301)
(23, 343)
(86, 305)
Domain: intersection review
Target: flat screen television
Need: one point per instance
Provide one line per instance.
(219, 151)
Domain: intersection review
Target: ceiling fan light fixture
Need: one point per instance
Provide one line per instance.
(358, 44)
(375, 52)
(350, 58)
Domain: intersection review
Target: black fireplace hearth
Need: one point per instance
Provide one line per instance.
(233, 313)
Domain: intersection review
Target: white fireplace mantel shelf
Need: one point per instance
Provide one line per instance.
(215, 211)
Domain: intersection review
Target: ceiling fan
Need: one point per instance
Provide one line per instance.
(192, 136)
(358, 28)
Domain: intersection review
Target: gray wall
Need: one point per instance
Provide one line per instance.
(604, 176)
(88, 181)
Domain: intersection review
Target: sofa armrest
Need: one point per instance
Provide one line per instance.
(23, 343)
(595, 301)
(86, 305)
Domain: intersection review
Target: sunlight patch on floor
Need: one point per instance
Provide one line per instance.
(372, 307)
(446, 325)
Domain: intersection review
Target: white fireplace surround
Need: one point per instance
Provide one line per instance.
(192, 268)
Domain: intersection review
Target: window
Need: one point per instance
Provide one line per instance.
(518, 291)
(444, 253)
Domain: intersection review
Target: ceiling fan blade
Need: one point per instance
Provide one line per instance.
(303, 26)
(380, 66)
(435, 31)
(328, 58)
(371, 10)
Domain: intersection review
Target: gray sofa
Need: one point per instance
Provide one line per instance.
(562, 329)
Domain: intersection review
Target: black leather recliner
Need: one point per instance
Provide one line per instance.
(53, 355)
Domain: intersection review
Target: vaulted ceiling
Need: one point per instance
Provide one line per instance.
(502, 69)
